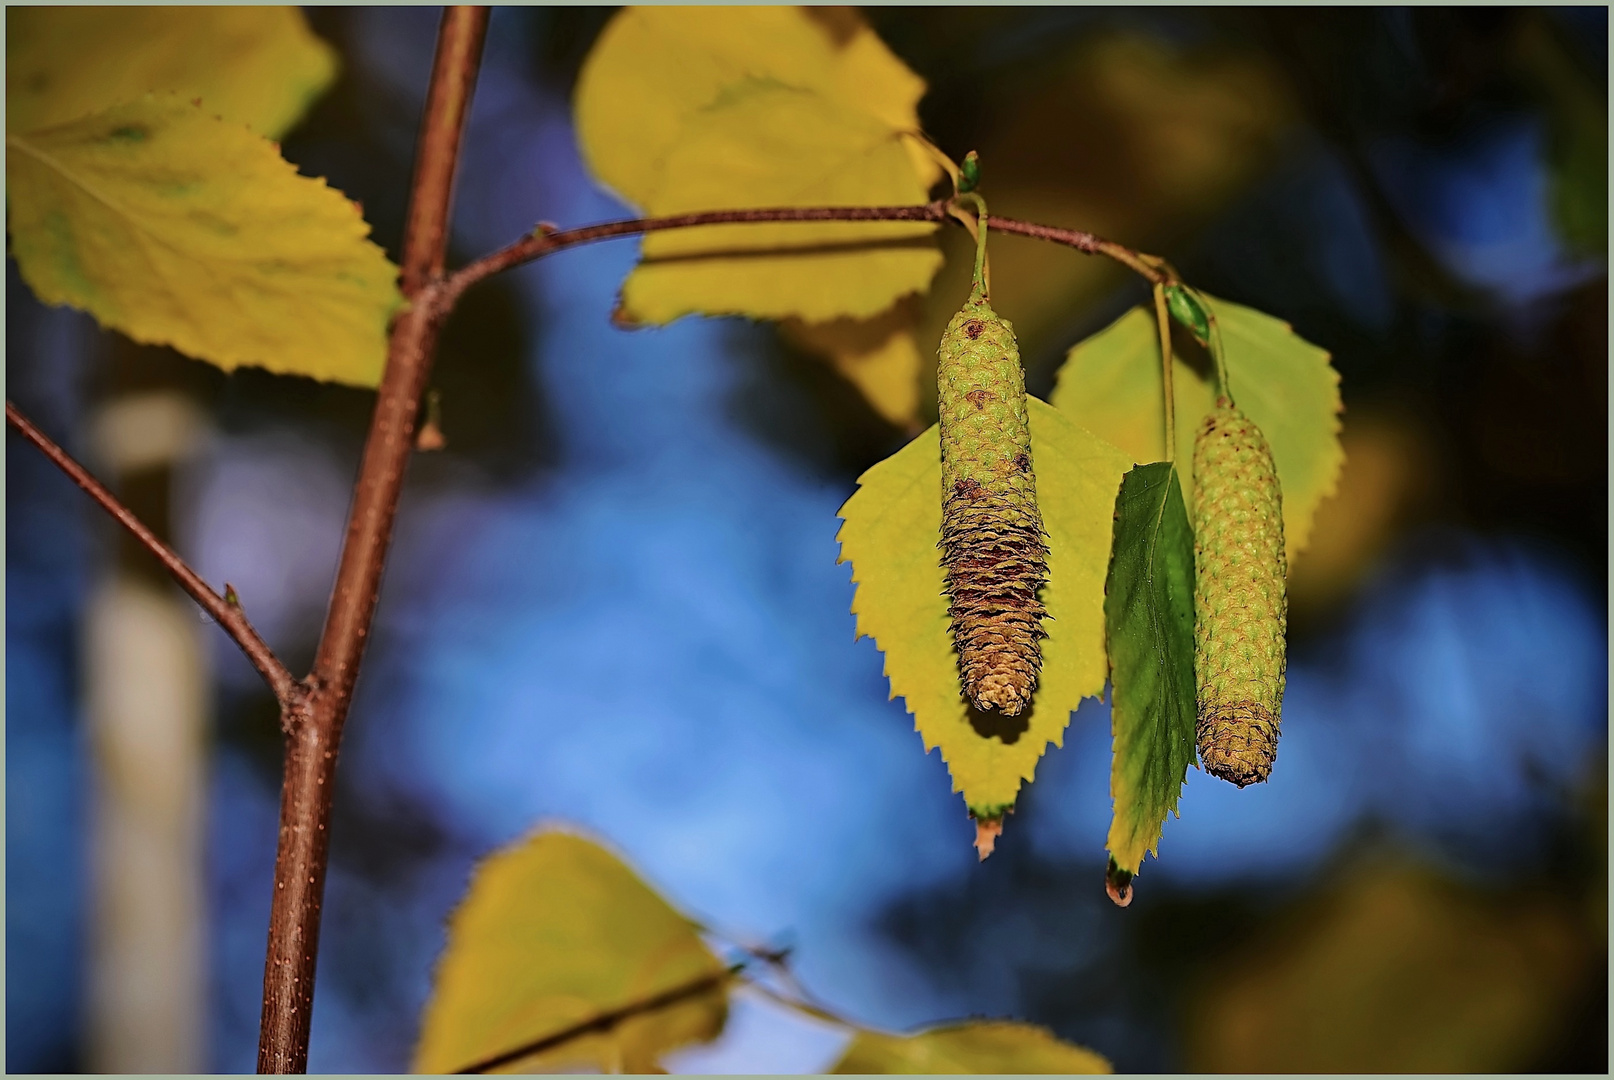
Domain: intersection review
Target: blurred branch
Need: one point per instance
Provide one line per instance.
(308, 783)
(547, 240)
(226, 609)
(605, 1021)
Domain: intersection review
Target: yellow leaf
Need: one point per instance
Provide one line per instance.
(765, 144)
(178, 228)
(1111, 382)
(686, 109)
(261, 66)
(555, 930)
(653, 68)
(983, 1046)
(890, 536)
(880, 356)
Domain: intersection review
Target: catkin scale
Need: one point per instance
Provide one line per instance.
(994, 556)
(1240, 598)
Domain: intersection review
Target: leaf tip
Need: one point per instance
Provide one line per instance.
(987, 831)
(622, 320)
(1118, 883)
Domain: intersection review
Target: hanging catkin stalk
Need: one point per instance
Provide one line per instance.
(992, 542)
(1240, 598)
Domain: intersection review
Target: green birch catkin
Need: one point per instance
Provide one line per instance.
(1240, 602)
(993, 551)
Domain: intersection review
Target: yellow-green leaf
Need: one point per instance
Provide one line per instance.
(890, 536)
(1111, 383)
(555, 930)
(878, 355)
(687, 109)
(1149, 628)
(982, 1046)
(261, 66)
(178, 228)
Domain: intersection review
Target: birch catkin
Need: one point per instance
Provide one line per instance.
(1240, 602)
(993, 550)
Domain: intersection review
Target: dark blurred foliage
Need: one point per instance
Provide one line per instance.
(1351, 170)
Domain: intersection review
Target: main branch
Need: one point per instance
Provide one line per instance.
(309, 777)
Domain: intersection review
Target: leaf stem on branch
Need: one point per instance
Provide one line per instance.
(226, 610)
(308, 783)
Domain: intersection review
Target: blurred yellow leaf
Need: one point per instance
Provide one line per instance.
(653, 68)
(261, 66)
(890, 536)
(555, 930)
(983, 1046)
(1391, 471)
(1395, 971)
(687, 109)
(178, 228)
(879, 355)
(1112, 381)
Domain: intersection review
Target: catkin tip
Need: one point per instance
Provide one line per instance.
(1239, 742)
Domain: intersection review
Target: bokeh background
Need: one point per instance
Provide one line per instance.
(614, 600)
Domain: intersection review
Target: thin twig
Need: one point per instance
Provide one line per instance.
(226, 613)
(308, 783)
(803, 1005)
(546, 241)
(605, 1021)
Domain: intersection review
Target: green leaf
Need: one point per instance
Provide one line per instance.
(260, 66)
(684, 109)
(984, 1046)
(1111, 384)
(178, 228)
(890, 536)
(1149, 627)
(555, 930)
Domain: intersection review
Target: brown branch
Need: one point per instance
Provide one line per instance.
(226, 611)
(605, 1021)
(308, 782)
(548, 240)
(448, 103)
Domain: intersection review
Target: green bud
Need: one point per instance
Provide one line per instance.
(1186, 310)
(969, 172)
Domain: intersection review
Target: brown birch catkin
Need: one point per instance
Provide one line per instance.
(993, 551)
